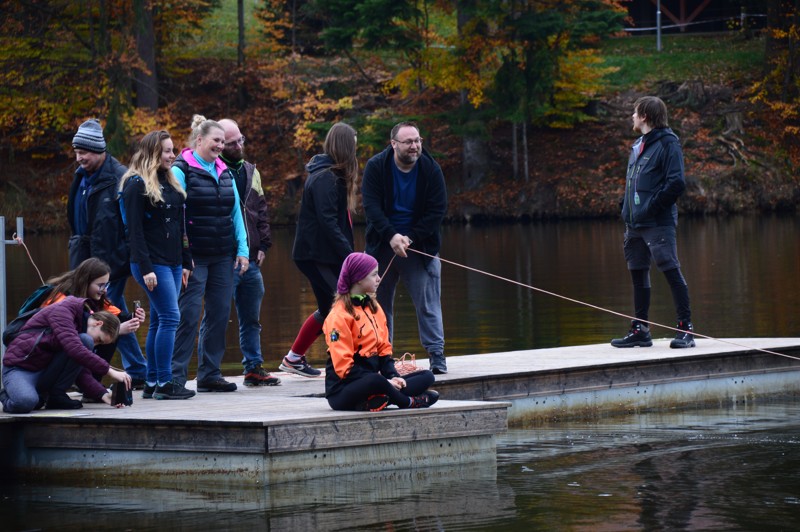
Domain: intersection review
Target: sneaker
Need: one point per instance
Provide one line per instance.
(148, 391)
(638, 336)
(171, 390)
(216, 385)
(684, 337)
(138, 384)
(374, 403)
(62, 402)
(438, 364)
(300, 367)
(258, 376)
(425, 399)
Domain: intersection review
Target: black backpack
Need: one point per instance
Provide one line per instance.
(17, 326)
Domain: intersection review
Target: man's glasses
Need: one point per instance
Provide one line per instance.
(233, 143)
(410, 142)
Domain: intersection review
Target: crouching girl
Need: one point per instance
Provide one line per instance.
(52, 352)
(360, 372)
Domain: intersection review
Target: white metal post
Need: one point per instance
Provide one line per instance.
(3, 286)
(658, 26)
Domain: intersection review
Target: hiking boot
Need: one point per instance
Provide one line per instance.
(425, 399)
(684, 337)
(258, 376)
(138, 384)
(62, 402)
(300, 367)
(438, 364)
(638, 336)
(374, 403)
(216, 385)
(171, 390)
(148, 391)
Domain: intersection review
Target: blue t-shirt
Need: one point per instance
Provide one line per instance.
(405, 194)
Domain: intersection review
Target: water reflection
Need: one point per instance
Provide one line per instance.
(725, 469)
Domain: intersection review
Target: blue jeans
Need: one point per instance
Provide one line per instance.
(424, 284)
(164, 319)
(212, 282)
(248, 291)
(132, 358)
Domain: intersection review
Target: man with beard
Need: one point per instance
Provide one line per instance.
(405, 201)
(248, 288)
(98, 231)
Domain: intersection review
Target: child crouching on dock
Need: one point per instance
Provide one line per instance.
(360, 372)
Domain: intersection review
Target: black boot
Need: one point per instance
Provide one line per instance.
(62, 402)
(684, 337)
(638, 336)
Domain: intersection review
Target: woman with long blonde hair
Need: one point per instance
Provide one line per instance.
(154, 219)
(324, 236)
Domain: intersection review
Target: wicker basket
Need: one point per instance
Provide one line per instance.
(406, 364)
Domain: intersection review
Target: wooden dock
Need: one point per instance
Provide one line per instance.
(285, 433)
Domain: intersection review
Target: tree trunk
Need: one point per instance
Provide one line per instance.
(514, 152)
(525, 151)
(475, 159)
(146, 82)
(241, 92)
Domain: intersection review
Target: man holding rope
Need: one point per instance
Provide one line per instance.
(654, 183)
(405, 201)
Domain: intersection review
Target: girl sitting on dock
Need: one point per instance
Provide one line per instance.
(360, 372)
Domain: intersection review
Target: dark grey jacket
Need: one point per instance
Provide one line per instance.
(105, 237)
(654, 181)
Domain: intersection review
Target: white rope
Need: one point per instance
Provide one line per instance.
(576, 301)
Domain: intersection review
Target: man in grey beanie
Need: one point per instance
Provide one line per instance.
(97, 228)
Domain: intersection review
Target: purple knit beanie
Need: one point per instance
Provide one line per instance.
(356, 267)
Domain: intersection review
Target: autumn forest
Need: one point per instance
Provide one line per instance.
(525, 103)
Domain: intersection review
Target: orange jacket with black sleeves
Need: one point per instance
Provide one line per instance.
(358, 343)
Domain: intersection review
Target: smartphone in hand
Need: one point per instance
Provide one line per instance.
(121, 395)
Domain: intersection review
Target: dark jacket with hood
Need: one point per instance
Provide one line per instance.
(430, 204)
(105, 236)
(324, 228)
(254, 206)
(655, 180)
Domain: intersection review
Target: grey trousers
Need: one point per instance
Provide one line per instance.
(211, 282)
(424, 284)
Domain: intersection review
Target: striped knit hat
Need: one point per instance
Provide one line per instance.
(90, 137)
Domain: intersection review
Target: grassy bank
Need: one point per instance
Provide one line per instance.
(723, 58)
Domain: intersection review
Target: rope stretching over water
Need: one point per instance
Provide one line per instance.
(578, 302)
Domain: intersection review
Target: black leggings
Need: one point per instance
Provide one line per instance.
(677, 284)
(323, 279)
(359, 390)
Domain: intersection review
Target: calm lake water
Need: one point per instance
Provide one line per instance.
(726, 469)
(723, 469)
(742, 274)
